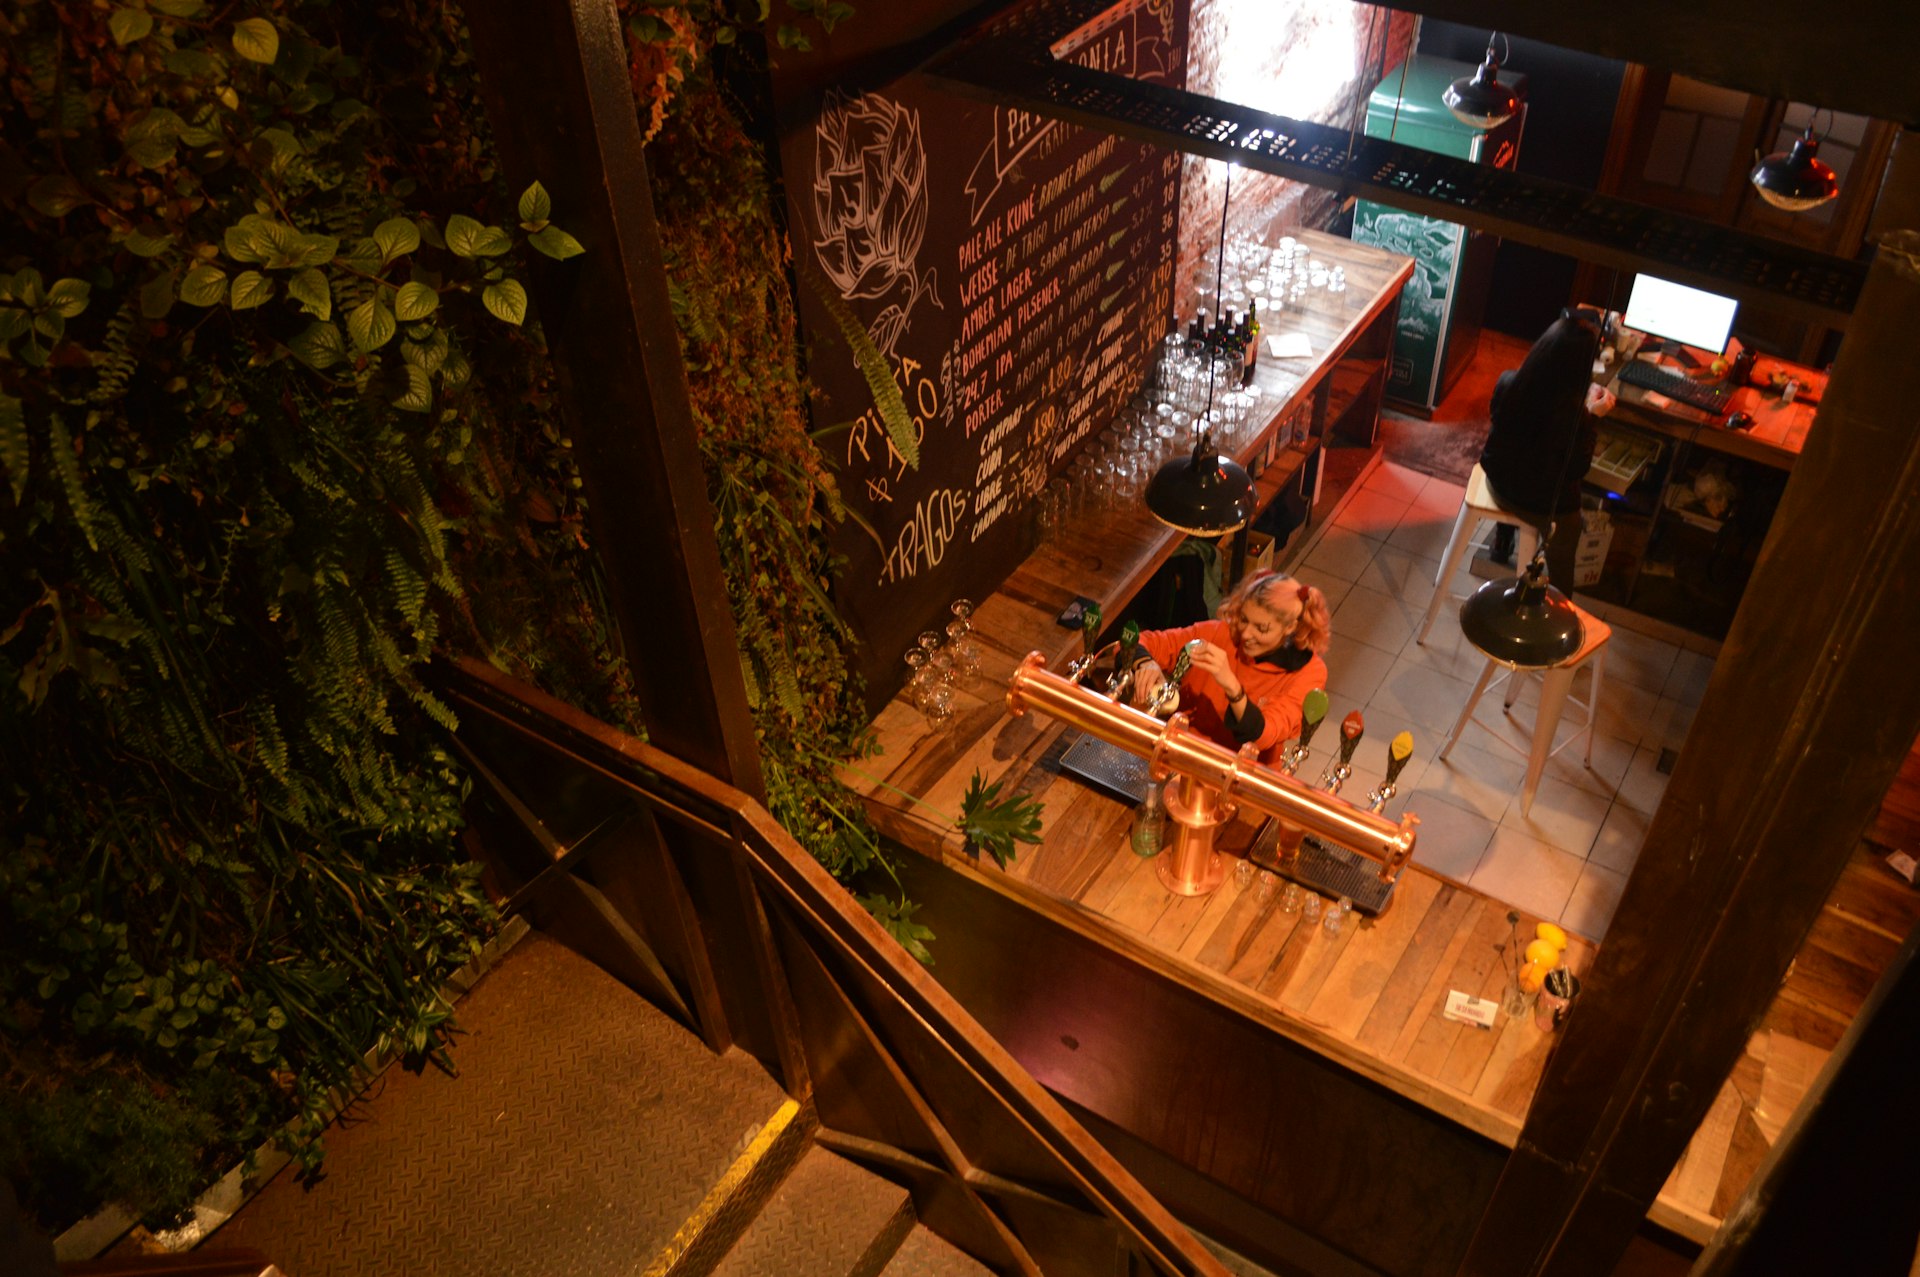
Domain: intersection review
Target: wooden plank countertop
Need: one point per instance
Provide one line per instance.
(1369, 999)
(1779, 430)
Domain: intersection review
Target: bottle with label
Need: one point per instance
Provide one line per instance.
(1150, 820)
(1250, 333)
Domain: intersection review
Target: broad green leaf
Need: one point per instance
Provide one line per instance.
(250, 289)
(319, 347)
(311, 290)
(370, 325)
(69, 296)
(128, 25)
(204, 286)
(198, 137)
(415, 301)
(284, 145)
(492, 242)
(175, 8)
(396, 237)
(456, 372)
(314, 250)
(419, 396)
(256, 40)
(364, 256)
(535, 206)
(429, 352)
(57, 196)
(463, 234)
(507, 300)
(156, 296)
(13, 444)
(993, 825)
(555, 243)
(13, 322)
(245, 244)
(28, 289)
(147, 240)
(51, 323)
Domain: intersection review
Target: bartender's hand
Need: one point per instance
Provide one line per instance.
(1147, 678)
(1600, 400)
(1213, 658)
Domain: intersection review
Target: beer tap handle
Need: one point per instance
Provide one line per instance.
(1182, 663)
(1352, 727)
(1090, 625)
(1397, 755)
(1313, 712)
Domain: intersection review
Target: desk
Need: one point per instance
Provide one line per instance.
(1683, 568)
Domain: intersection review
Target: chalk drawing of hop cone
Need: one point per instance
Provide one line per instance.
(870, 203)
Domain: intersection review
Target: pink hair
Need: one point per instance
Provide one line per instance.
(1315, 628)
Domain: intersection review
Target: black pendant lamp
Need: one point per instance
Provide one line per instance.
(1522, 621)
(1796, 179)
(1205, 494)
(1481, 101)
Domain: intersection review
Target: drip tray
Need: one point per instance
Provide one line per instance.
(1330, 870)
(1113, 769)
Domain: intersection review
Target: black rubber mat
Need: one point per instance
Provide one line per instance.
(584, 1128)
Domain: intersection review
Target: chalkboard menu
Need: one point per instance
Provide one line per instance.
(1015, 272)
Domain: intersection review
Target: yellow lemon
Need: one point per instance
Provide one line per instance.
(1547, 931)
(1544, 952)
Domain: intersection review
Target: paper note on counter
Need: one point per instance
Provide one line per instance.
(1290, 346)
(1470, 1010)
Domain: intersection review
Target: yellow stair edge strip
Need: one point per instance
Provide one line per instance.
(722, 1192)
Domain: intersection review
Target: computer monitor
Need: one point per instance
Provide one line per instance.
(1690, 316)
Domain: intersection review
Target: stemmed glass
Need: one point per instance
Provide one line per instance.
(966, 652)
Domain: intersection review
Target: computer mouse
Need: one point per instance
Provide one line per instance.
(1739, 420)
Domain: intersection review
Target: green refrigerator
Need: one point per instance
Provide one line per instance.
(1441, 308)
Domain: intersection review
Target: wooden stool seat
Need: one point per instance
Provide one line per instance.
(1556, 685)
(1477, 506)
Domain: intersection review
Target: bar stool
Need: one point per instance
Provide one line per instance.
(1556, 684)
(1476, 507)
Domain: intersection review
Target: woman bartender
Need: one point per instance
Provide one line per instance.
(1253, 665)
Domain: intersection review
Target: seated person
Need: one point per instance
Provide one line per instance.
(1254, 664)
(1542, 436)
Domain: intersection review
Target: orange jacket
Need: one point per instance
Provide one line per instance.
(1274, 694)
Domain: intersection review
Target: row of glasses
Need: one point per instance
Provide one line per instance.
(938, 660)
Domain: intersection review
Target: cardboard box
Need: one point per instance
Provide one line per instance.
(1259, 552)
(1590, 553)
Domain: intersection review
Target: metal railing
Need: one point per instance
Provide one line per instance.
(695, 896)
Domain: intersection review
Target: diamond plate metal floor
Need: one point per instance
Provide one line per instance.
(829, 1219)
(924, 1254)
(583, 1130)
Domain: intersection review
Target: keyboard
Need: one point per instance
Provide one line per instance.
(1676, 385)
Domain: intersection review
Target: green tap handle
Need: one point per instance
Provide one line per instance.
(1313, 711)
(1090, 625)
(1182, 663)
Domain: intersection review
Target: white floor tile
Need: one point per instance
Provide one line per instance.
(1396, 481)
(1342, 553)
(1688, 679)
(1441, 494)
(1332, 586)
(1403, 577)
(1643, 784)
(1452, 840)
(1371, 513)
(1668, 723)
(1611, 757)
(1423, 531)
(1524, 871)
(1624, 709)
(1355, 669)
(1473, 779)
(1562, 816)
(1418, 698)
(1592, 902)
(1621, 835)
(1377, 619)
(1446, 649)
(1639, 660)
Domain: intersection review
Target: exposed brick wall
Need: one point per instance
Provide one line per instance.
(1312, 58)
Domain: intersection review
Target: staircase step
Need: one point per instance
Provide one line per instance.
(829, 1219)
(584, 1129)
(925, 1254)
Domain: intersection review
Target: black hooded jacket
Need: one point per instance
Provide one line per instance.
(1542, 433)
